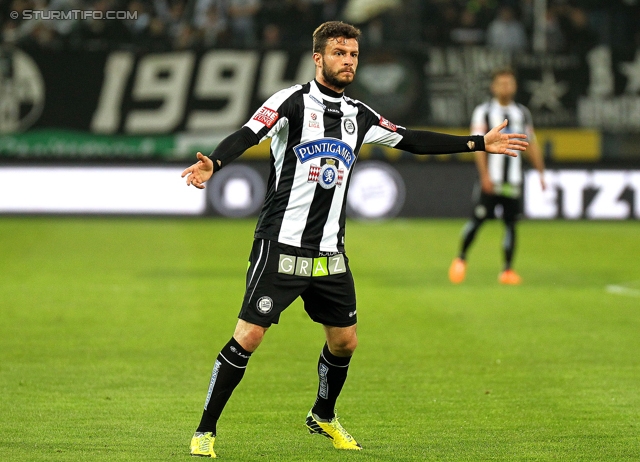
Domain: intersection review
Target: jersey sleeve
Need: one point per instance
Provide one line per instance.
(426, 142)
(267, 121)
(232, 147)
(380, 130)
(528, 123)
(274, 114)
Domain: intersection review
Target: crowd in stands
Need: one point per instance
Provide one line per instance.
(162, 25)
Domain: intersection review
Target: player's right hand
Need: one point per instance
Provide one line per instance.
(543, 183)
(199, 172)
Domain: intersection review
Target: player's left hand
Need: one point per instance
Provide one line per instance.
(504, 143)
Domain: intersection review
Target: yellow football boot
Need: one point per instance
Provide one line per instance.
(332, 429)
(202, 445)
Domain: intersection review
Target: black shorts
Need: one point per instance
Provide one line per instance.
(279, 273)
(485, 207)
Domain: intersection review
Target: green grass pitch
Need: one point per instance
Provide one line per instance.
(109, 329)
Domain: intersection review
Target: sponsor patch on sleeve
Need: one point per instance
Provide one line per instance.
(388, 125)
(266, 116)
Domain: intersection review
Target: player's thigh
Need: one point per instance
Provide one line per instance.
(484, 206)
(511, 209)
(268, 290)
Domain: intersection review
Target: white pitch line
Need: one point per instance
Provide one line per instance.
(622, 290)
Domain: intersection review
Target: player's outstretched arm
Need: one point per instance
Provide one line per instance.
(534, 153)
(427, 142)
(199, 172)
(229, 149)
(504, 143)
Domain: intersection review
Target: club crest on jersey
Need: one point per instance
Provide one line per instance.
(327, 148)
(327, 175)
(349, 126)
(266, 116)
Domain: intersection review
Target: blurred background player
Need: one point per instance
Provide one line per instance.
(499, 191)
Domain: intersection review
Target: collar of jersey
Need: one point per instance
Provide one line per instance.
(497, 103)
(328, 93)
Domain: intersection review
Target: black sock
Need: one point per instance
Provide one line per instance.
(509, 244)
(227, 373)
(332, 372)
(468, 235)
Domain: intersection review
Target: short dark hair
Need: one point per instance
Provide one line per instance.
(333, 29)
(503, 71)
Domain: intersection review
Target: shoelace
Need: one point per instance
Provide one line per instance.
(204, 443)
(340, 428)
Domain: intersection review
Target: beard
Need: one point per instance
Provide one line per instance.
(333, 78)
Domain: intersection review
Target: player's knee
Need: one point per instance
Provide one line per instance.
(344, 346)
(248, 335)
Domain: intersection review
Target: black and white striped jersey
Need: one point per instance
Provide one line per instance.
(316, 135)
(315, 138)
(505, 172)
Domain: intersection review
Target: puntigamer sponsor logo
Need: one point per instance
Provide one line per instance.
(325, 147)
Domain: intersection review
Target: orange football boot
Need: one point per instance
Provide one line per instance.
(457, 270)
(509, 277)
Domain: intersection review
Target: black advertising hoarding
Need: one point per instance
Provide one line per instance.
(612, 100)
(458, 79)
(121, 92)
(120, 104)
(160, 105)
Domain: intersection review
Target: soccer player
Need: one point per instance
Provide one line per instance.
(500, 177)
(316, 133)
